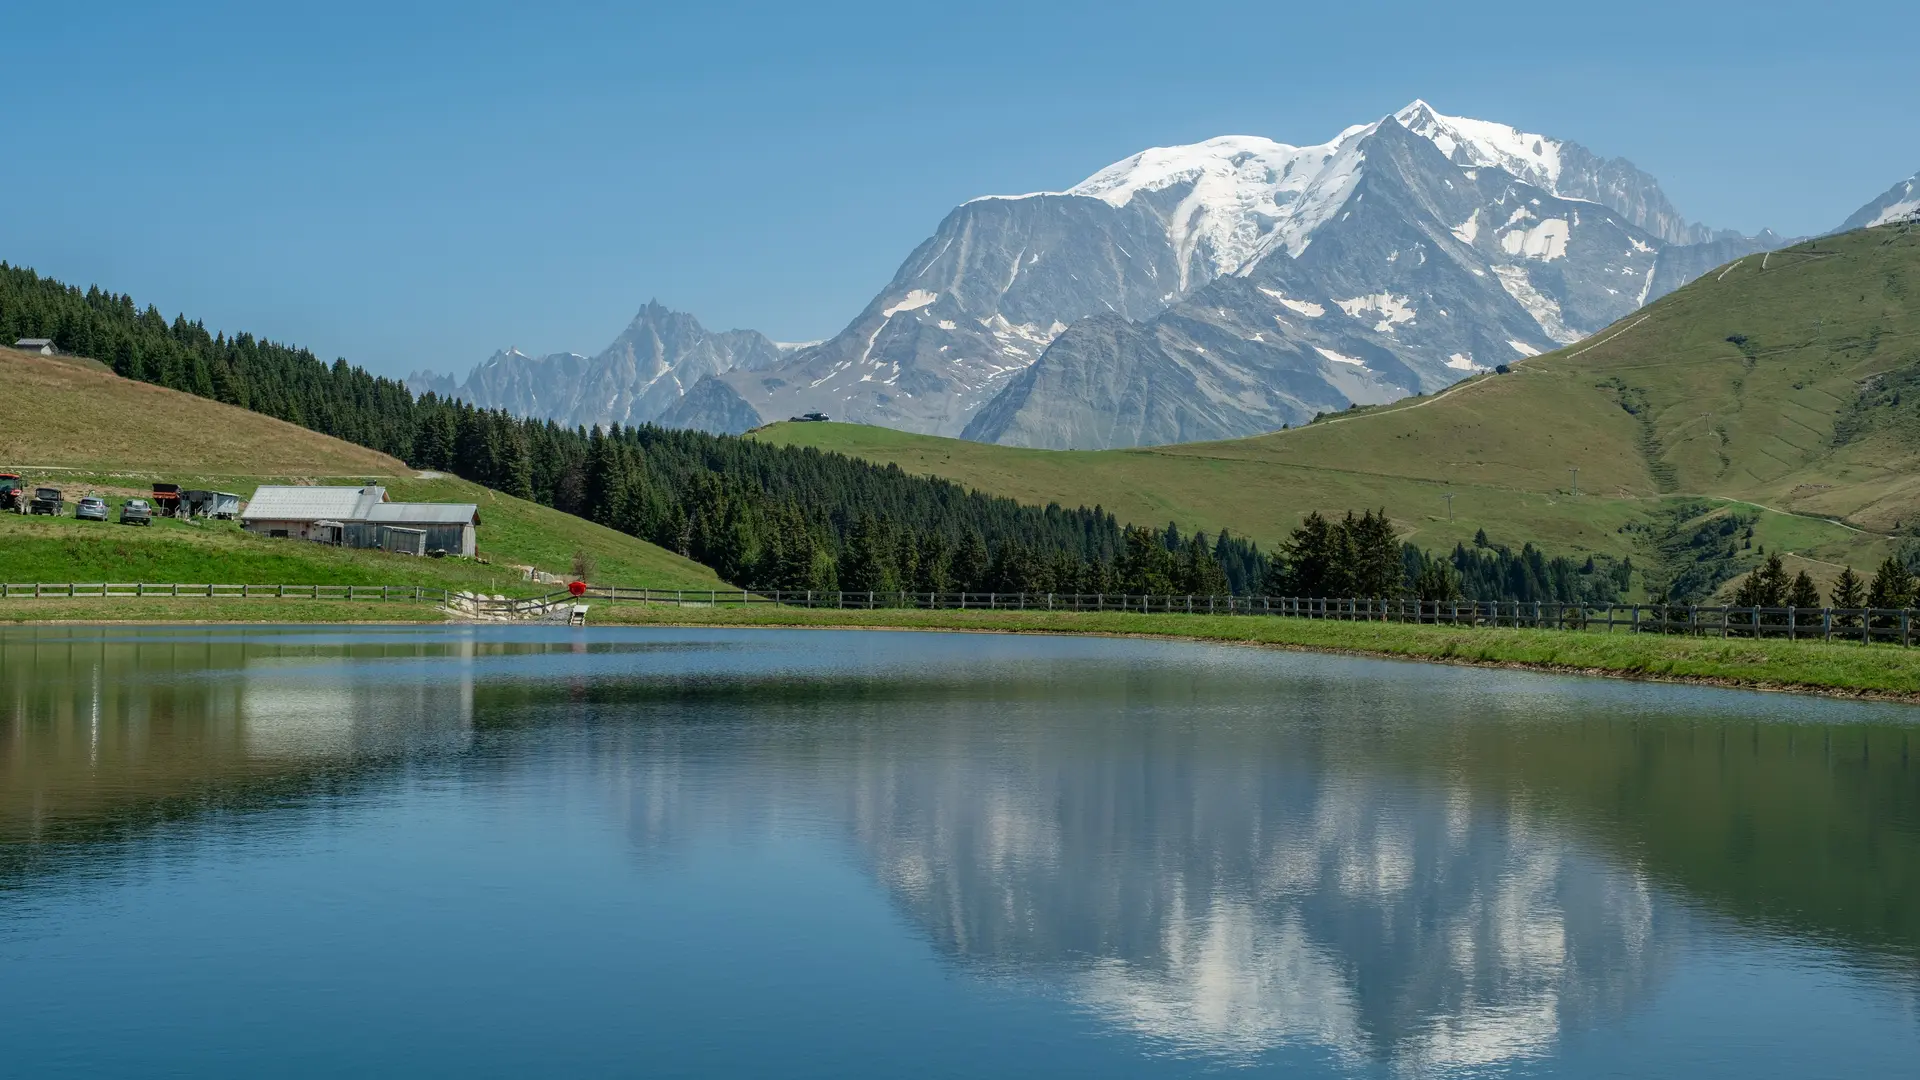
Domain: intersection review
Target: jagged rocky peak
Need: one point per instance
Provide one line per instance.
(1559, 166)
(637, 379)
(1427, 248)
(1191, 291)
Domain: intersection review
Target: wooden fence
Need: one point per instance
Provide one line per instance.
(1865, 625)
(218, 591)
(1826, 624)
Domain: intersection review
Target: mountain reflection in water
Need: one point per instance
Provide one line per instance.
(1223, 851)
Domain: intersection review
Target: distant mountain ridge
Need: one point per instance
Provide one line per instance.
(1191, 292)
(637, 379)
(1240, 284)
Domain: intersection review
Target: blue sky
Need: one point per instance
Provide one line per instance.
(418, 185)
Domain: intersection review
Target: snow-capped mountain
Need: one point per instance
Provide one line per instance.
(1900, 201)
(1237, 284)
(1203, 291)
(637, 379)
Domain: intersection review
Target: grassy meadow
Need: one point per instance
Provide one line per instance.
(92, 432)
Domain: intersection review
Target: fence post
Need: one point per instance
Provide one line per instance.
(1792, 629)
(1826, 625)
(1906, 627)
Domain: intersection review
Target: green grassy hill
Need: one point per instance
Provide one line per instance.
(90, 431)
(1784, 389)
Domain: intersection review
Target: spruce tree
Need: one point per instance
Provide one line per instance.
(1315, 557)
(1200, 574)
(1378, 571)
(865, 565)
(1892, 588)
(1803, 593)
(1766, 586)
(1146, 567)
(969, 568)
(1437, 581)
(1847, 593)
(933, 564)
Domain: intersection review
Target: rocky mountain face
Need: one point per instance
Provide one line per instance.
(1189, 292)
(1900, 201)
(711, 405)
(1435, 247)
(637, 379)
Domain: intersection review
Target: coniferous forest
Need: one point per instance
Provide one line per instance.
(765, 516)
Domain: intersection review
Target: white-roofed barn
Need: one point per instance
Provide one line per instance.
(361, 517)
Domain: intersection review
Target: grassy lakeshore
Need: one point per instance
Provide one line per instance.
(1883, 671)
(199, 609)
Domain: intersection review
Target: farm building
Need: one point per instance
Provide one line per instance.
(361, 517)
(43, 346)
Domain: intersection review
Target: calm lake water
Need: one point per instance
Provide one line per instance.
(518, 851)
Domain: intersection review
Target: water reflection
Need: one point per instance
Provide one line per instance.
(1223, 851)
(1222, 892)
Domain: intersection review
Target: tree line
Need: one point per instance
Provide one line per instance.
(1362, 557)
(1768, 586)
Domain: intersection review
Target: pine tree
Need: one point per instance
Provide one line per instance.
(1146, 566)
(1892, 589)
(1317, 563)
(1847, 593)
(1766, 586)
(865, 563)
(969, 567)
(1377, 569)
(1803, 593)
(934, 574)
(1437, 581)
(1200, 573)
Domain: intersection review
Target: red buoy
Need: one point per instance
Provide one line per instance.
(577, 588)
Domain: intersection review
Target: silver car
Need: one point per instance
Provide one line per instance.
(91, 508)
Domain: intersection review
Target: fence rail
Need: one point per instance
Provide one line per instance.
(1865, 625)
(223, 591)
(1826, 624)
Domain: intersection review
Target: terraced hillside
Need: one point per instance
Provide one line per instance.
(1783, 388)
(74, 424)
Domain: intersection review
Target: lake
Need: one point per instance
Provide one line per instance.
(515, 851)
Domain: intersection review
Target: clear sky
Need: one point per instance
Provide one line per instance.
(415, 186)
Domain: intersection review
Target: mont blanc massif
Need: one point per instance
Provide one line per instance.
(1208, 291)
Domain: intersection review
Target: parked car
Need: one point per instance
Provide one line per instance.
(13, 492)
(136, 512)
(48, 501)
(91, 508)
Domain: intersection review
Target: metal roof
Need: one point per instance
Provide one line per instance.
(284, 503)
(338, 504)
(423, 513)
(32, 342)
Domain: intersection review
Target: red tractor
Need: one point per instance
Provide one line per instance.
(13, 492)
